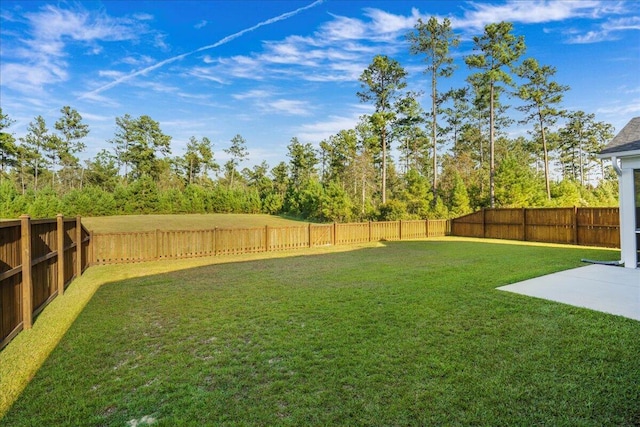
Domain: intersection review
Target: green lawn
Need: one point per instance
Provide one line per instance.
(405, 333)
(124, 223)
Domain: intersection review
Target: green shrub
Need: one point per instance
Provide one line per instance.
(393, 210)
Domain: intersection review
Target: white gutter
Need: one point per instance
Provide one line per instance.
(628, 153)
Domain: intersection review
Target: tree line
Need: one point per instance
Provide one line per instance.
(454, 157)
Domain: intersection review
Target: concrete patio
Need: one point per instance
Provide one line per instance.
(609, 289)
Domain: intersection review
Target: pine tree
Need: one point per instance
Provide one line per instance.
(238, 153)
(73, 131)
(381, 84)
(433, 39)
(499, 49)
(36, 142)
(542, 97)
(8, 147)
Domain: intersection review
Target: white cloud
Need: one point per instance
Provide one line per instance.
(478, 15)
(6, 15)
(39, 54)
(112, 74)
(252, 94)
(526, 12)
(95, 50)
(628, 90)
(22, 102)
(343, 28)
(608, 30)
(159, 42)
(262, 99)
(137, 60)
(289, 106)
(289, 53)
(385, 22)
(201, 24)
(99, 99)
(193, 96)
(143, 17)
(626, 110)
(205, 74)
(200, 72)
(591, 37)
(96, 117)
(53, 23)
(338, 51)
(317, 131)
(240, 67)
(28, 78)
(155, 86)
(621, 24)
(185, 124)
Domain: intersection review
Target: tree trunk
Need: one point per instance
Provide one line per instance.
(407, 159)
(434, 126)
(384, 165)
(492, 195)
(364, 191)
(22, 177)
(581, 153)
(546, 159)
(36, 180)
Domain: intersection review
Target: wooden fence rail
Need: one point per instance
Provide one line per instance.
(38, 259)
(113, 248)
(577, 226)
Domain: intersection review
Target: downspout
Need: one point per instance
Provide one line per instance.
(616, 166)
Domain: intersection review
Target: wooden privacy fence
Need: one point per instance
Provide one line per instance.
(577, 226)
(38, 259)
(113, 248)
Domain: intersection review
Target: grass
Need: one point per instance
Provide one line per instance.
(406, 333)
(126, 223)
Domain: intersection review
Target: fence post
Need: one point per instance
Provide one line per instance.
(400, 229)
(60, 260)
(484, 223)
(266, 238)
(335, 234)
(216, 237)
(92, 249)
(27, 285)
(575, 225)
(370, 234)
(426, 228)
(78, 246)
(524, 224)
(157, 245)
(309, 233)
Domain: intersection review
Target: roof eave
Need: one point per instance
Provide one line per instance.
(619, 154)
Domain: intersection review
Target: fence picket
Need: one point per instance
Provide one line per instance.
(37, 259)
(112, 248)
(581, 226)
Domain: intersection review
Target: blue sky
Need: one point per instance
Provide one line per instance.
(272, 70)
